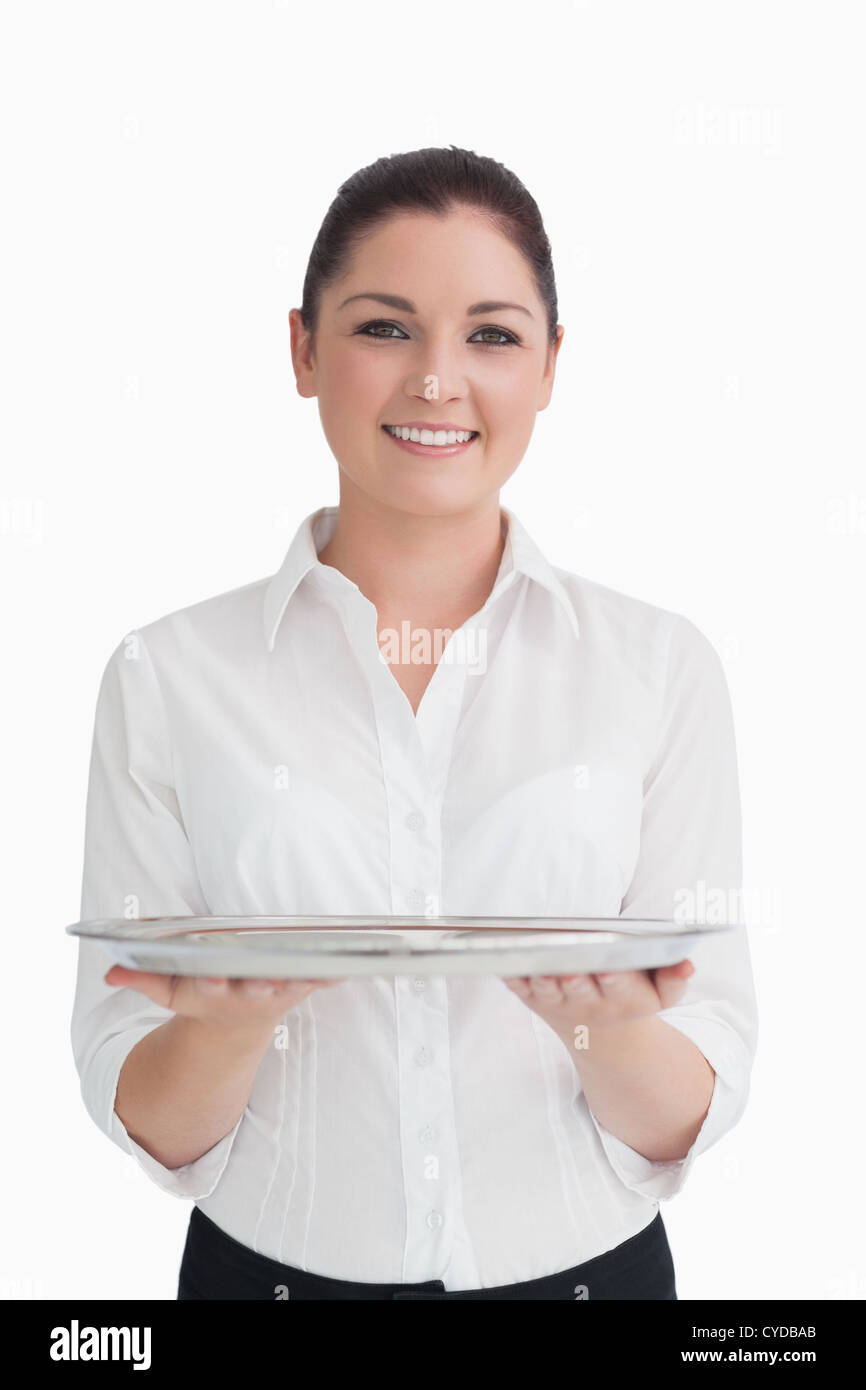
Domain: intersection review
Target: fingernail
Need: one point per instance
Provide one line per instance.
(208, 986)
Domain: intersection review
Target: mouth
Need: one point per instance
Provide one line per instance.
(430, 442)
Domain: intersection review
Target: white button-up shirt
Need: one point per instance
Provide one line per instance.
(253, 754)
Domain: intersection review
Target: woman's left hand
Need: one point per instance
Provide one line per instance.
(601, 1001)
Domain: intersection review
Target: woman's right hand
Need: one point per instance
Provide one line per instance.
(234, 1003)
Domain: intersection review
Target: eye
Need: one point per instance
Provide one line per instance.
(369, 330)
(364, 330)
(511, 340)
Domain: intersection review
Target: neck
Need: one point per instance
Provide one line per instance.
(412, 565)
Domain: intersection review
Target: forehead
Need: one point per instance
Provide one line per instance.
(458, 252)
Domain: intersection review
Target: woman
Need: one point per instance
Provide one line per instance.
(418, 714)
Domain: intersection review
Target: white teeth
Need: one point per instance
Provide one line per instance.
(434, 437)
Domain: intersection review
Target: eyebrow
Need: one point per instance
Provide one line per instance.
(395, 301)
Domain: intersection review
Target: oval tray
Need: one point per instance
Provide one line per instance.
(320, 947)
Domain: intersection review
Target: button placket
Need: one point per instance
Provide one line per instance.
(415, 762)
(430, 1163)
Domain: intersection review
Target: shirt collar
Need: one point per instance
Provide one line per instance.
(520, 555)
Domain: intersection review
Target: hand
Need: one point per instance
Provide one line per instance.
(239, 1003)
(601, 1001)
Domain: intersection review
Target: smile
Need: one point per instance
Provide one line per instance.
(431, 443)
(436, 439)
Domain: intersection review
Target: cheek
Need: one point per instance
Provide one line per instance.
(510, 402)
(510, 421)
(354, 386)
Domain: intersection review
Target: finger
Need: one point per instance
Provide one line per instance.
(254, 989)
(665, 974)
(580, 987)
(683, 970)
(155, 987)
(122, 975)
(671, 981)
(546, 988)
(213, 989)
(612, 977)
(616, 983)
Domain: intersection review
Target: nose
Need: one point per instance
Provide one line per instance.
(437, 376)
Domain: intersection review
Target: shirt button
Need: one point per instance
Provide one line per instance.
(423, 1057)
(419, 985)
(414, 820)
(426, 1134)
(434, 1219)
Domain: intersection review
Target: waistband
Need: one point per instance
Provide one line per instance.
(216, 1266)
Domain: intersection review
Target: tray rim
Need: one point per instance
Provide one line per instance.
(109, 930)
(445, 952)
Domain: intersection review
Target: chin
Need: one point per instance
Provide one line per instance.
(436, 501)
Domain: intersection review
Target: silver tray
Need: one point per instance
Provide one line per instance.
(321, 948)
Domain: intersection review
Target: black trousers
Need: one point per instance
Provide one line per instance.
(214, 1265)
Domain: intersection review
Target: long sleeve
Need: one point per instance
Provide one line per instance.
(137, 863)
(689, 867)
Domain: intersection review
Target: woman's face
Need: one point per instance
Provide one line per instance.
(449, 353)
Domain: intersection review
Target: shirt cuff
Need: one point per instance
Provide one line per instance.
(727, 1056)
(193, 1180)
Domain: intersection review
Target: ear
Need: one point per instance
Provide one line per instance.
(546, 388)
(303, 361)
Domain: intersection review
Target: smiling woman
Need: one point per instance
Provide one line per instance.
(421, 236)
(567, 751)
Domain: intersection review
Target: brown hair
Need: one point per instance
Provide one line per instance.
(436, 181)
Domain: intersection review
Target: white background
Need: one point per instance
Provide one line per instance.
(699, 166)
